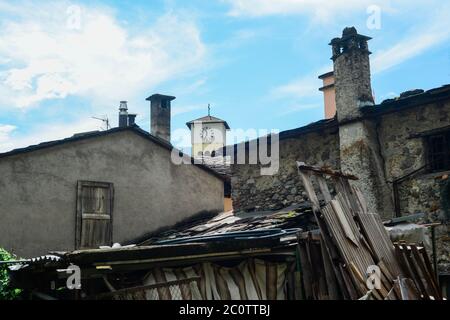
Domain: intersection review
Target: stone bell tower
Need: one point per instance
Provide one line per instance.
(358, 138)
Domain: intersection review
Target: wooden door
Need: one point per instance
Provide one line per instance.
(94, 214)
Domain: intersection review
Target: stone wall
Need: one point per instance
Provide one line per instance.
(401, 154)
(253, 192)
(404, 153)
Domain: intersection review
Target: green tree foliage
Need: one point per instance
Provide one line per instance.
(6, 291)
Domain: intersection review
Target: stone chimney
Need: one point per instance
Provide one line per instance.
(360, 152)
(329, 94)
(352, 74)
(160, 115)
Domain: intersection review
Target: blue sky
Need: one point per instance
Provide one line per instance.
(255, 61)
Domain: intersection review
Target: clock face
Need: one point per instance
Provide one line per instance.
(207, 135)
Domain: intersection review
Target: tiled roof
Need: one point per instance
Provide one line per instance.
(95, 134)
(208, 119)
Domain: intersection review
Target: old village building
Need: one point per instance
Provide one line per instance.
(401, 143)
(284, 240)
(100, 188)
(399, 148)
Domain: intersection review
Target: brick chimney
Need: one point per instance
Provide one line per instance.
(329, 94)
(160, 115)
(351, 73)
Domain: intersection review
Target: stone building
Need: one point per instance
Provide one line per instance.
(398, 145)
(399, 148)
(100, 188)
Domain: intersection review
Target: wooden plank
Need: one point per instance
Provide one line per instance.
(386, 278)
(359, 277)
(427, 261)
(353, 292)
(431, 284)
(359, 255)
(332, 286)
(324, 232)
(345, 224)
(415, 273)
(349, 252)
(306, 178)
(78, 216)
(386, 271)
(324, 188)
(306, 268)
(391, 295)
(302, 166)
(318, 270)
(379, 241)
(402, 261)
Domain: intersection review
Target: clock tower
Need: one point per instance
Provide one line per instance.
(207, 135)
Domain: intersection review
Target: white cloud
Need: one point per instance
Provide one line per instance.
(42, 133)
(433, 31)
(299, 88)
(320, 10)
(431, 34)
(304, 87)
(5, 136)
(102, 60)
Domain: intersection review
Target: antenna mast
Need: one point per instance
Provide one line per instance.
(105, 120)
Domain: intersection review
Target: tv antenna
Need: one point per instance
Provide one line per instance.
(105, 120)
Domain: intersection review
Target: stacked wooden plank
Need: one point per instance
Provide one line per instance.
(416, 265)
(356, 244)
(316, 273)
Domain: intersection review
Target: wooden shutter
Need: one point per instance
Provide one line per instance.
(94, 214)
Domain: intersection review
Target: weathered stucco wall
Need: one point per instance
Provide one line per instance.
(360, 156)
(38, 191)
(252, 191)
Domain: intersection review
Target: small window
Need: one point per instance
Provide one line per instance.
(439, 152)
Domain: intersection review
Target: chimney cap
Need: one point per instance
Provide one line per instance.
(158, 96)
(123, 106)
(326, 75)
(349, 33)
